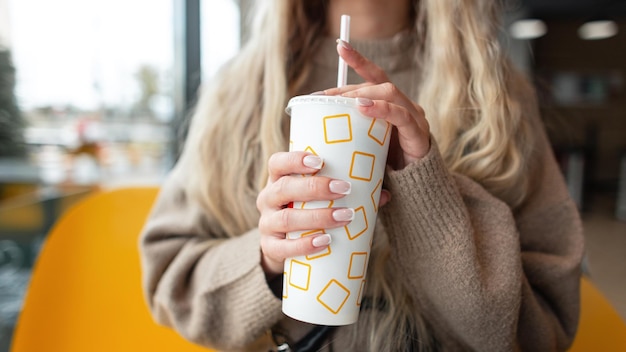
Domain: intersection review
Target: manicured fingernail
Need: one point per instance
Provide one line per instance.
(340, 187)
(346, 214)
(364, 101)
(344, 44)
(319, 92)
(312, 161)
(321, 240)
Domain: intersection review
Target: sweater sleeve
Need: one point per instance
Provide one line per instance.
(485, 277)
(211, 290)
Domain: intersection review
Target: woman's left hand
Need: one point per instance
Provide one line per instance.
(379, 98)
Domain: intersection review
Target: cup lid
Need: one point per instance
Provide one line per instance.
(319, 99)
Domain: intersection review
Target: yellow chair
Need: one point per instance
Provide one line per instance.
(600, 328)
(85, 292)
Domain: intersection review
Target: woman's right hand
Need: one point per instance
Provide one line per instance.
(285, 185)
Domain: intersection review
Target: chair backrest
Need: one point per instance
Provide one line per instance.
(600, 328)
(85, 291)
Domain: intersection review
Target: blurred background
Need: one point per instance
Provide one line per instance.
(95, 94)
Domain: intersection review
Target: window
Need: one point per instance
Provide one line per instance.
(94, 84)
(221, 36)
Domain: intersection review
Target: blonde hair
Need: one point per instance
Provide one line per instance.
(469, 93)
(466, 90)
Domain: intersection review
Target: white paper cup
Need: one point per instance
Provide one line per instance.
(326, 288)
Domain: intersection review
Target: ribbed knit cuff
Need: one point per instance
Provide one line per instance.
(244, 284)
(426, 210)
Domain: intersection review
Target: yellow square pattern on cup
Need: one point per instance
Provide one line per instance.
(333, 296)
(285, 286)
(337, 129)
(319, 254)
(299, 275)
(379, 129)
(362, 166)
(358, 225)
(373, 195)
(358, 263)
(361, 292)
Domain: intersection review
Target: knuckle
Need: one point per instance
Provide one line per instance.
(419, 109)
(285, 218)
(281, 161)
(265, 243)
(314, 218)
(273, 161)
(281, 185)
(263, 224)
(385, 106)
(262, 199)
(314, 185)
(406, 116)
(294, 158)
(259, 201)
(390, 88)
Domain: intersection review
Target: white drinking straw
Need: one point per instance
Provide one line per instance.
(342, 72)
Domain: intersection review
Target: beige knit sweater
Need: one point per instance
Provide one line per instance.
(485, 277)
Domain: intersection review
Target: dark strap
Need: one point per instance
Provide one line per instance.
(311, 342)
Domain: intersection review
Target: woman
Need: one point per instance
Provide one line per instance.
(478, 245)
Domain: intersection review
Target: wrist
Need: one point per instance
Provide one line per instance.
(270, 268)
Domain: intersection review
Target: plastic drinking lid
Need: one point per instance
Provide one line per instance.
(319, 99)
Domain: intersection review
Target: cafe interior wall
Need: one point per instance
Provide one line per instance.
(582, 90)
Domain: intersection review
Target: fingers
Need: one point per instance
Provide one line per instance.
(369, 71)
(302, 189)
(281, 248)
(345, 89)
(288, 182)
(385, 197)
(276, 249)
(289, 220)
(361, 65)
(407, 116)
(410, 120)
(412, 129)
(389, 92)
(288, 163)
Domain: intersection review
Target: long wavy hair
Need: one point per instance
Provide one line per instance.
(469, 90)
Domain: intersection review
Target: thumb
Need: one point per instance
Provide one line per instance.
(275, 250)
(385, 197)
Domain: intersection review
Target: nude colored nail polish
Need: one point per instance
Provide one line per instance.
(322, 240)
(346, 214)
(340, 187)
(364, 102)
(313, 161)
(345, 44)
